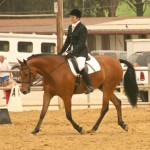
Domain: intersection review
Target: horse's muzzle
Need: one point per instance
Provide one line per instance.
(25, 90)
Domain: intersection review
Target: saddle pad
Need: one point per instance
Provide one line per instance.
(93, 66)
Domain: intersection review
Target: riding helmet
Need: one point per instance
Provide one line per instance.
(75, 12)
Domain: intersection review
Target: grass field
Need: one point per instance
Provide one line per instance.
(125, 11)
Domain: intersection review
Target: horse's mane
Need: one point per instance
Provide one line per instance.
(38, 55)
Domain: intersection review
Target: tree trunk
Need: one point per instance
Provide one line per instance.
(101, 12)
(113, 8)
(139, 8)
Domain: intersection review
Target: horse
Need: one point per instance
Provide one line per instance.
(59, 80)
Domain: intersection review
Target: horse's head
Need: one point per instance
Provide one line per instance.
(27, 76)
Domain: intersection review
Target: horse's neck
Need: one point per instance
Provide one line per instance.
(45, 65)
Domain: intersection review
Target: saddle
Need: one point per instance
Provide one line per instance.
(77, 83)
(91, 66)
(75, 65)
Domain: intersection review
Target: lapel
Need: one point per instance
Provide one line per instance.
(78, 25)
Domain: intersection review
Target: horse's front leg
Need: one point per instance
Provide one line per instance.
(67, 103)
(46, 100)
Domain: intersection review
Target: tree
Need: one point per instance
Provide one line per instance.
(138, 6)
(92, 8)
(26, 6)
(107, 8)
(112, 8)
(70, 4)
(6, 6)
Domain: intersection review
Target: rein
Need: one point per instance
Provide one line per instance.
(37, 81)
(30, 74)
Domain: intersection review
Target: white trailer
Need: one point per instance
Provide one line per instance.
(137, 45)
(21, 46)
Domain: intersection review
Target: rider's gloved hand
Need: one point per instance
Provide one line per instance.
(69, 55)
(59, 53)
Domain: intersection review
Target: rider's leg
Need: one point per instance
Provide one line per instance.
(89, 87)
(81, 65)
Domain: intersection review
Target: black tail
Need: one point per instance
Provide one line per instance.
(130, 85)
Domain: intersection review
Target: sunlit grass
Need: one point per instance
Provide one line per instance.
(125, 11)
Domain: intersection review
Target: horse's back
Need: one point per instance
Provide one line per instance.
(111, 67)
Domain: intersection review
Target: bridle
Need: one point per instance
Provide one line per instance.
(30, 82)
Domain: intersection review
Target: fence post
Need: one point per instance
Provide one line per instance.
(149, 82)
(88, 100)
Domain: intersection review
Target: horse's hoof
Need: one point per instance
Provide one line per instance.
(35, 132)
(126, 128)
(91, 132)
(83, 131)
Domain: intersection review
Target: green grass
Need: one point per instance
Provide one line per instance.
(125, 11)
(147, 12)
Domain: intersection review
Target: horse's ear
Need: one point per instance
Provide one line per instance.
(25, 62)
(20, 62)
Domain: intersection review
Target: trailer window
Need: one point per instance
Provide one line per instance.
(48, 48)
(4, 46)
(26, 47)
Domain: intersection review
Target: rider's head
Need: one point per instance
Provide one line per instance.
(75, 15)
(75, 12)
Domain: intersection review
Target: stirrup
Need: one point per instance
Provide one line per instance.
(89, 89)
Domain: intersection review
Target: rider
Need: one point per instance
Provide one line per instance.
(75, 45)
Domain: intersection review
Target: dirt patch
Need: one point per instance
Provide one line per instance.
(58, 134)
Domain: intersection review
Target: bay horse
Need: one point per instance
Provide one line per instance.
(59, 80)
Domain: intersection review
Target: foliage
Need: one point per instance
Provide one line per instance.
(26, 6)
(138, 6)
(90, 8)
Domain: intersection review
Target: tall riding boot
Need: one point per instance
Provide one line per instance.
(85, 76)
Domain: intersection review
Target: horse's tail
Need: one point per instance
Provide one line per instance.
(130, 84)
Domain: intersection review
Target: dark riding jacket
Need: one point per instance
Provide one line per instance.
(77, 39)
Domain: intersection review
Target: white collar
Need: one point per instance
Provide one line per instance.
(75, 24)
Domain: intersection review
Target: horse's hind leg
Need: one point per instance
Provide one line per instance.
(105, 108)
(117, 103)
(67, 103)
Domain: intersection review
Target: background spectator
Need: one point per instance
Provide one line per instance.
(4, 76)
